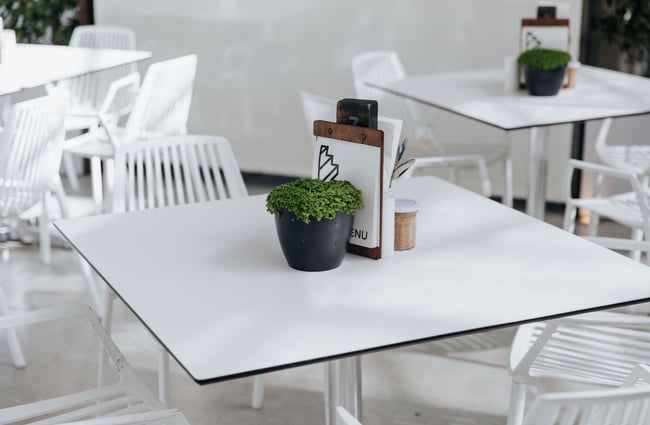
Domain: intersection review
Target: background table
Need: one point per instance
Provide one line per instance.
(33, 65)
(480, 95)
(210, 282)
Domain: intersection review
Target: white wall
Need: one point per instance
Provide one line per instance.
(256, 55)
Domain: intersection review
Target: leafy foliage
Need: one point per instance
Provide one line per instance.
(544, 59)
(311, 199)
(40, 21)
(626, 23)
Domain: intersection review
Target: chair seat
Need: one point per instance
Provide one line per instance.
(79, 123)
(635, 158)
(92, 144)
(622, 208)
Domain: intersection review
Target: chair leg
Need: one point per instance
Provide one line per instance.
(570, 218)
(594, 220)
(164, 387)
(109, 183)
(96, 181)
(12, 337)
(258, 392)
(517, 404)
(45, 243)
(70, 171)
(637, 235)
(508, 196)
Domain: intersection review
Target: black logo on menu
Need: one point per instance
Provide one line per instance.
(327, 168)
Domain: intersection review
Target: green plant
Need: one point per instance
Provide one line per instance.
(313, 199)
(40, 21)
(544, 59)
(626, 23)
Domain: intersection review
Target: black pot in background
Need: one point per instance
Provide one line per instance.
(544, 82)
(314, 246)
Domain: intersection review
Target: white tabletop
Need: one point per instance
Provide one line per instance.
(480, 95)
(33, 65)
(209, 280)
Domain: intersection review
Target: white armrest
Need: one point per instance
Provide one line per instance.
(107, 118)
(455, 160)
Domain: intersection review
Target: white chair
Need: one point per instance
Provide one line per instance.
(630, 209)
(161, 109)
(626, 405)
(172, 171)
(317, 107)
(126, 401)
(634, 158)
(385, 66)
(85, 94)
(597, 348)
(30, 156)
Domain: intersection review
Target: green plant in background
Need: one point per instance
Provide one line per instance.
(312, 199)
(40, 21)
(544, 59)
(626, 23)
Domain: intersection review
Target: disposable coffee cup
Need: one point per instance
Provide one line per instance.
(405, 223)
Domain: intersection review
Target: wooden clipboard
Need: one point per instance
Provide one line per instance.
(346, 152)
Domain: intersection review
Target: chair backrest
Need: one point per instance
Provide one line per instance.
(103, 37)
(174, 171)
(30, 152)
(382, 66)
(163, 103)
(376, 66)
(86, 93)
(317, 108)
(625, 405)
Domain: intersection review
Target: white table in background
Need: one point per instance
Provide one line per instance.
(210, 282)
(480, 95)
(33, 65)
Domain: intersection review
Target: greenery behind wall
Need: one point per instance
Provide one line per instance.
(40, 21)
(626, 25)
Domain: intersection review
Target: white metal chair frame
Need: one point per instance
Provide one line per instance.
(86, 93)
(172, 171)
(30, 156)
(160, 109)
(630, 209)
(598, 348)
(385, 66)
(128, 396)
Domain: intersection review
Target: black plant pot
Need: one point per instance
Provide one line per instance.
(315, 246)
(544, 82)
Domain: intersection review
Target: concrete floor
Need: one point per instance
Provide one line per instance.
(456, 381)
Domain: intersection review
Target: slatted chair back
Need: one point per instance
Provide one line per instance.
(174, 171)
(163, 103)
(87, 92)
(605, 407)
(30, 153)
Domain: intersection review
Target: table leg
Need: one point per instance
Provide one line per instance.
(344, 387)
(537, 173)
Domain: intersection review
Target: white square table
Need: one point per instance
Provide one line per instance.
(210, 282)
(33, 65)
(480, 95)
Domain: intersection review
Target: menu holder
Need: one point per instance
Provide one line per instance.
(547, 33)
(356, 154)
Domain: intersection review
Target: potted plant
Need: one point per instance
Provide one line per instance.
(314, 221)
(544, 70)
